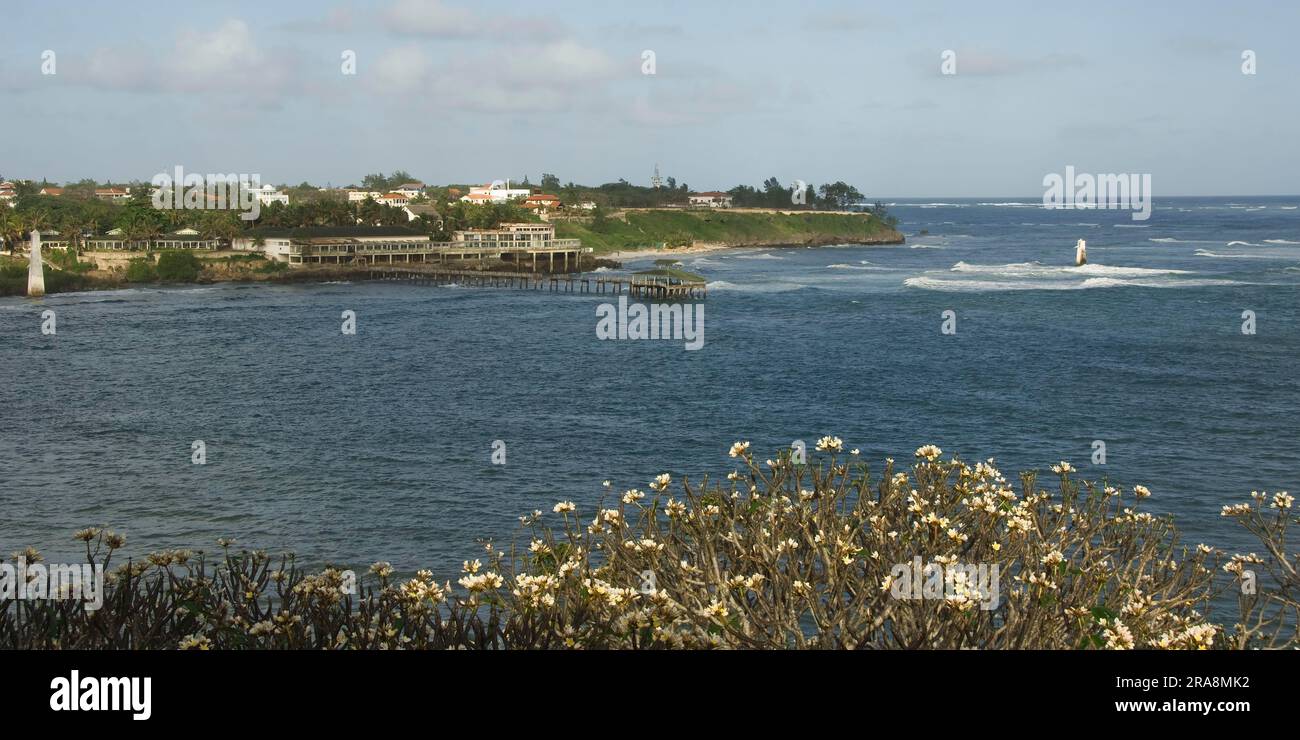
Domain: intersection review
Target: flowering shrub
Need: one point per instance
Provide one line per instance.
(781, 555)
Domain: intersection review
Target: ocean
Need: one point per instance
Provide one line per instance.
(350, 449)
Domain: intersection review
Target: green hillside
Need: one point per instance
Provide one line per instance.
(678, 228)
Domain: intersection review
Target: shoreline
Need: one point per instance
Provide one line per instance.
(711, 247)
(103, 283)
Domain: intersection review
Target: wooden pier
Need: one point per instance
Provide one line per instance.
(653, 288)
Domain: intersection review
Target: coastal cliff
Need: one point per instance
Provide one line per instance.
(642, 229)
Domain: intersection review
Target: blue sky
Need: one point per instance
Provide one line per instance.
(460, 92)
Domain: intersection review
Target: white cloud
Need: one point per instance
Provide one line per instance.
(225, 59)
(436, 19)
(534, 78)
(402, 70)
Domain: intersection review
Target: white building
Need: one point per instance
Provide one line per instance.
(356, 196)
(113, 195)
(267, 194)
(495, 192)
(396, 200)
(712, 199)
(410, 189)
(279, 244)
(429, 212)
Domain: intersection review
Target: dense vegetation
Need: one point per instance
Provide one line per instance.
(655, 229)
(79, 212)
(782, 554)
(13, 279)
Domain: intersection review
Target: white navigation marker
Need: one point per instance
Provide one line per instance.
(35, 273)
(1081, 253)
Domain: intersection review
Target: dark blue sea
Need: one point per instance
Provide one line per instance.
(378, 446)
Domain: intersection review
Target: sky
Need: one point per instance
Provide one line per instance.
(739, 92)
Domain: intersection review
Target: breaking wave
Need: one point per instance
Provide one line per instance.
(986, 286)
(753, 288)
(864, 265)
(1039, 270)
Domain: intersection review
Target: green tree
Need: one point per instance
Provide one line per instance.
(179, 267)
(840, 194)
(141, 270)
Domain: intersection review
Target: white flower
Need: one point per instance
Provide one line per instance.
(738, 449)
(633, 496)
(1118, 637)
(483, 582)
(1235, 510)
(830, 444)
(715, 610)
(564, 506)
(661, 481)
(1141, 491)
(1282, 500)
(929, 452)
(1062, 468)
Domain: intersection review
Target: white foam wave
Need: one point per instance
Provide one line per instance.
(987, 286)
(1279, 241)
(843, 266)
(1266, 255)
(723, 285)
(763, 256)
(1039, 270)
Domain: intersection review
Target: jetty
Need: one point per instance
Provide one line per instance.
(653, 287)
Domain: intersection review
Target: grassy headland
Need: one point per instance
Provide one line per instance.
(676, 228)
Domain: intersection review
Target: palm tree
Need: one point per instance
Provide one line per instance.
(73, 223)
(140, 229)
(11, 229)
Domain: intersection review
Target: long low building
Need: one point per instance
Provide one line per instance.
(277, 243)
(361, 245)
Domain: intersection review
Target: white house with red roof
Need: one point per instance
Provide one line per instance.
(113, 195)
(711, 199)
(542, 201)
(496, 191)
